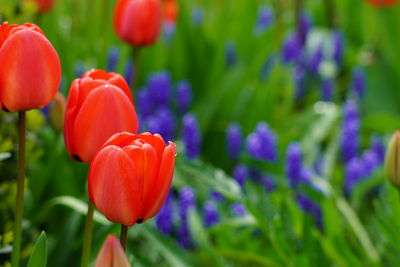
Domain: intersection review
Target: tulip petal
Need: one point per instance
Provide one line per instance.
(111, 254)
(106, 111)
(114, 186)
(31, 71)
(154, 203)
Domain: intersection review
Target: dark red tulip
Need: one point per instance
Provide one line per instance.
(99, 105)
(130, 177)
(138, 22)
(43, 5)
(30, 68)
(111, 254)
(382, 3)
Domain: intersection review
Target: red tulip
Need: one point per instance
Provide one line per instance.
(138, 22)
(130, 177)
(30, 68)
(99, 105)
(43, 5)
(382, 3)
(111, 254)
(170, 10)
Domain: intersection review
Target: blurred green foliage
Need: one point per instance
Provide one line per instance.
(361, 231)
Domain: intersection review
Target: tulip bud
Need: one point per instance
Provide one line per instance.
(30, 68)
(138, 22)
(382, 3)
(111, 254)
(392, 161)
(99, 105)
(130, 177)
(43, 5)
(56, 112)
(170, 10)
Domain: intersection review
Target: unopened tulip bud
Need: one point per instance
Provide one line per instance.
(392, 161)
(57, 111)
(112, 254)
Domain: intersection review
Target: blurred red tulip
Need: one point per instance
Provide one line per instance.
(170, 10)
(130, 177)
(138, 22)
(382, 3)
(43, 5)
(111, 254)
(99, 105)
(30, 68)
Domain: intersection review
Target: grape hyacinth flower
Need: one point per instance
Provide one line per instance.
(311, 208)
(378, 147)
(129, 71)
(238, 209)
(163, 123)
(338, 46)
(291, 49)
(266, 68)
(299, 78)
(169, 30)
(164, 219)
(191, 136)
(327, 86)
(234, 140)
(217, 196)
(186, 202)
(79, 69)
(370, 160)
(316, 60)
(184, 96)
(112, 59)
(353, 174)
(261, 144)
(210, 214)
(268, 183)
(241, 173)
(264, 20)
(230, 54)
(359, 83)
(304, 27)
(160, 88)
(350, 129)
(144, 103)
(197, 16)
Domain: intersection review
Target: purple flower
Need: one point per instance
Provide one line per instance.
(241, 173)
(164, 219)
(112, 60)
(371, 161)
(230, 54)
(191, 136)
(291, 49)
(160, 89)
(163, 123)
(338, 46)
(184, 96)
(79, 69)
(261, 144)
(294, 163)
(186, 202)
(268, 183)
(210, 214)
(266, 68)
(316, 60)
(234, 140)
(168, 30)
(197, 16)
(264, 20)
(238, 209)
(327, 89)
(359, 83)
(129, 71)
(217, 196)
(310, 207)
(378, 147)
(299, 78)
(350, 130)
(305, 26)
(353, 174)
(144, 103)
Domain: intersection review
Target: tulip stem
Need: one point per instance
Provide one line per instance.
(20, 190)
(123, 236)
(87, 238)
(136, 62)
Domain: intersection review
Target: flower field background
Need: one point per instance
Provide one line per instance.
(281, 112)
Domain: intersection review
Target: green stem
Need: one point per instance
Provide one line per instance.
(136, 62)
(20, 190)
(87, 238)
(330, 13)
(124, 235)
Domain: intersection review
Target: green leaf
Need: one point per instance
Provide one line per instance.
(39, 254)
